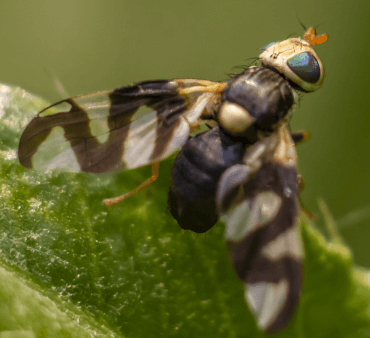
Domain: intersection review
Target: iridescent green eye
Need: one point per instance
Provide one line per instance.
(306, 67)
(268, 46)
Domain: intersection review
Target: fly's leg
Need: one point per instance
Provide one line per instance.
(300, 136)
(155, 172)
(308, 213)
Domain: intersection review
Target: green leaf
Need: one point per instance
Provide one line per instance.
(69, 267)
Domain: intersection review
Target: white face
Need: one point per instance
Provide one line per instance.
(296, 59)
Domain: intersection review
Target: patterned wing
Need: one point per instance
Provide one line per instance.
(258, 200)
(115, 130)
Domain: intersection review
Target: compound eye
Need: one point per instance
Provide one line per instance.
(306, 67)
(268, 46)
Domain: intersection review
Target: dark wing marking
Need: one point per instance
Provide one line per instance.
(258, 200)
(115, 130)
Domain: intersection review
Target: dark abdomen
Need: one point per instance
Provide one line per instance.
(195, 174)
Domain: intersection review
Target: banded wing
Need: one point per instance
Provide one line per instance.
(115, 130)
(258, 200)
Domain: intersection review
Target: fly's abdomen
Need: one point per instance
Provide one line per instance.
(195, 174)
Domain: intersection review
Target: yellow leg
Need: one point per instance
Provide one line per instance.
(308, 213)
(300, 136)
(155, 172)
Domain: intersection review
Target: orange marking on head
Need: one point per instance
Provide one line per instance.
(313, 39)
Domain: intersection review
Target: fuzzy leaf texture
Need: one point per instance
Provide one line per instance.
(70, 267)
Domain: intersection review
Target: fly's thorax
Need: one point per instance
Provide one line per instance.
(291, 111)
(296, 60)
(258, 98)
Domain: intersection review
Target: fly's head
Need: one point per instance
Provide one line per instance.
(296, 59)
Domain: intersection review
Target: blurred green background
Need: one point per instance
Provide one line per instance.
(98, 45)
